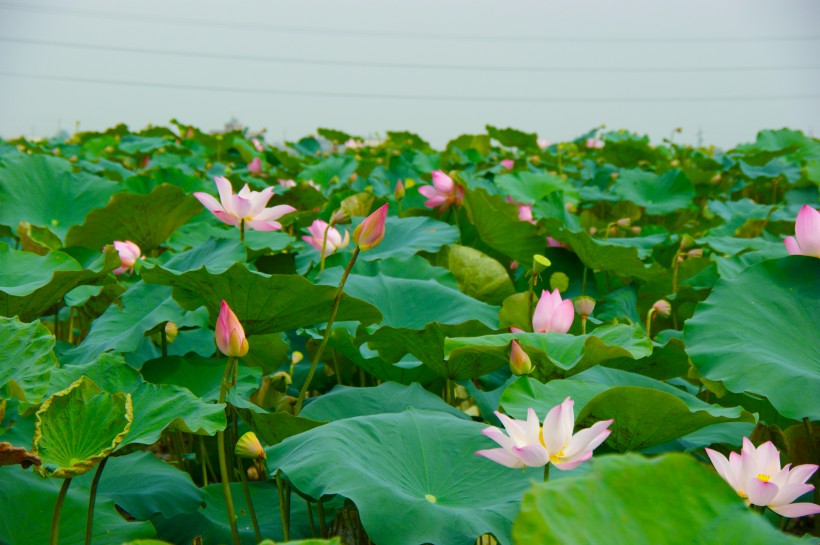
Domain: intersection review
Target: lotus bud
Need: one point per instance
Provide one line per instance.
(296, 357)
(559, 281)
(636, 229)
(513, 265)
(540, 263)
(399, 191)
(338, 216)
(370, 232)
(129, 255)
(230, 337)
(249, 446)
(520, 363)
(171, 332)
(508, 164)
(253, 475)
(584, 305)
(624, 222)
(662, 308)
(543, 143)
(255, 166)
(697, 252)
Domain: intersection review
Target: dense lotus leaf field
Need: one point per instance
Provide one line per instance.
(212, 339)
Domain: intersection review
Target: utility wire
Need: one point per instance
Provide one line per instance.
(398, 96)
(404, 66)
(384, 34)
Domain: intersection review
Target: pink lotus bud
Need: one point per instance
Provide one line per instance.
(525, 213)
(230, 337)
(508, 164)
(594, 143)
(807, 233)
(370, 232)
(552, 243)
(513, 265)
(399, 191)
(584, 305)
(129, 254)
(520, 363)
(255, 166)
(543, 143)
(258, 145)
(662, 308)
(552, 314)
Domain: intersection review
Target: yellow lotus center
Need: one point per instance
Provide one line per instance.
(429, 497)
(763, 477)
(555, 458)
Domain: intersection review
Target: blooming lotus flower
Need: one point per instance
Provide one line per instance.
(807, 233)
(529, 444)
(543, 143)
(757, 477)
(129, 254)
(353, 144)
(255, 166)
(247, 206)
(594, 143)
(230, 336)
(370, 232)
(442, 193)
(524, 210)
(552, 314)
(334, 238)
(287, 184)
(508, 164)
(258, 145)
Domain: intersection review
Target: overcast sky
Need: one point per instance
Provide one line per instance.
(724, 69)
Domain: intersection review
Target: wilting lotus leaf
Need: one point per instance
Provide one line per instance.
(12, 456)
(79, 426)
(642, 501)
(26, 359)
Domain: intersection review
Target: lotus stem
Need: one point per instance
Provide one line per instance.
(310, 518)
(323, 253)
(282, 507)
(92, 498)
(320, 510)
(242, 231)
(58, 507)
(583, 325)
(203, 460)
(649, 316)
(547, 472)
(336, 300)
(164, 337)
(251, 511)
(223, 466)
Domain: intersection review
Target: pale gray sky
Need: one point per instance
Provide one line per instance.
(758, 59)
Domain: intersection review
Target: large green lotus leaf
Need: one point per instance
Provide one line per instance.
(658, 194)
(211, 520)
(146, 220)
(202, 376)
(478, 275)
(530, 187)
(671, 499)
(156, 407)
(29, 501)
(601, 255)
(31, 284)
(263, 303)
(513, 138)
(273, 428)
(755, 333)
(404, 237)
(43, 191)
(498, 226)
(557, 355)
(666, 361)
(26, 360)
(428, 346)
(414, 491)
(411, 303)
(79, 426)
(389, 397)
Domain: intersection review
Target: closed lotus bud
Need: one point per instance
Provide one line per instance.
(663, 308)
(540, 263)
(513, 265)
(296, 357)
(255, 166)
(171, 332)
(636, 229)
(559, 281)
(370, 232)
(339, 216)
(249, 446)
(253, 475)
(399, 191)
(624, 222)
(230, 336)
(520, 363)
(592, 231)
(584, 305)
(697, 252)
(508, 164)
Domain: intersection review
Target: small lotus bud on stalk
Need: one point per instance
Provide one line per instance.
(592, 231)
(636, 229)
(674, 163)
(661, 308)
(513, 265)
(399, 191)
(697, 252)
(252, 473)
(584, 305)
(535, 160)
(716, 179)
(571, 207)
(339, 216)
(508, 164)
(520, 363)
(230, 336)
(171, 332)
(370, 232)
(559, 281)
(624, 222)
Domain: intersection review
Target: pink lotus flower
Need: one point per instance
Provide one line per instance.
(370, 232)
(594, 143)
(757, 477)
(247, 206)
(524, 210)
(543, 143)
(442, 193)
(353, 144)
(807, 233)
(508, 164)
(255, 166)
(230, 336)
(335, 241)
(258, 145)
(529, 444)
(552, 243)
(552, 314)
(129, 254)
(287, 184)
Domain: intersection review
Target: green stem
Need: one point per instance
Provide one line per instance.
(324, 249)
(223, 466)
(310, 518)
(583, 325)
(251, 511)
(92, 498)
(71, 325)
(336, 300)
(584, 281)
(531, 295)
(203, 460)
(649, 323)
(280, 489)
(320, 510)
(58, 507)
(164, 337)
(547, 472)
(242, 231)
(451, 392)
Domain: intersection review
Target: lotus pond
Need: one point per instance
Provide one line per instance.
(211, 339)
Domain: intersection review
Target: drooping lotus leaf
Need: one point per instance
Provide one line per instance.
(642, 501)
(415, 490)
(263, 303)
(599, 254)
(405, 237)
(478, 275)
(26, 359)
(146, 220)
(754, 333)
(31, 284)
(79, 426)
(29, 502)
(156, 407)
(658, 194)
(43, 191)
(273, 428)
(389, 397)
(557, 355)
(12, 456)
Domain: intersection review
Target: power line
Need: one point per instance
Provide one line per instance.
(383, 34)
(397, 96)
(403, 66)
